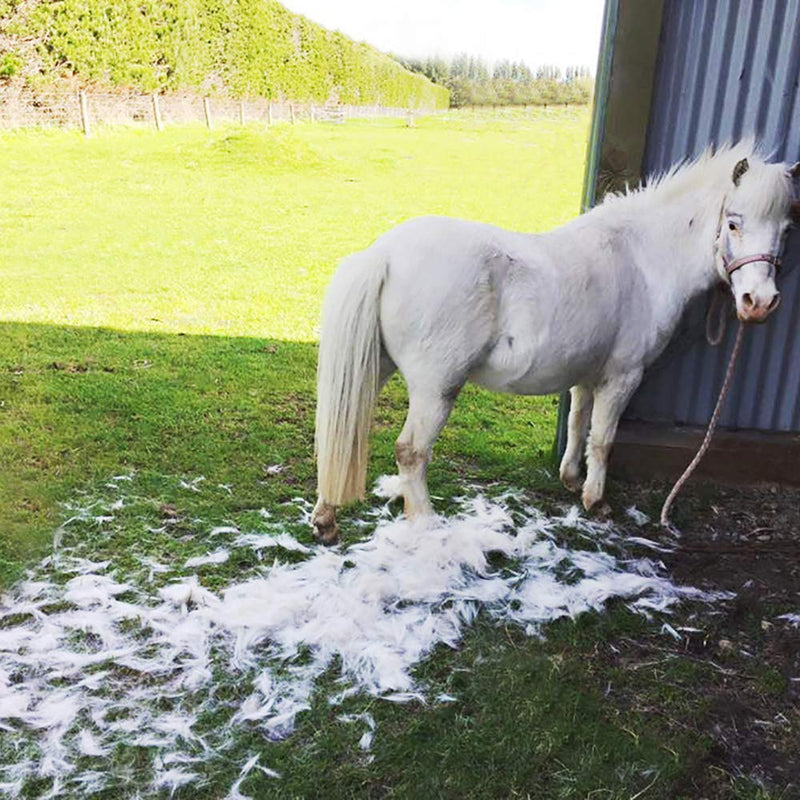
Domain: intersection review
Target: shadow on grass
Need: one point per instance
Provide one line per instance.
(82, 404)
(561, 718)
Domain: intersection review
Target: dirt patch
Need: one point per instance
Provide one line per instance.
(746, 659)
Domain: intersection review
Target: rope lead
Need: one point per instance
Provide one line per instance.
(709, 433)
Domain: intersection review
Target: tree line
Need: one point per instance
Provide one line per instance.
(472, 81)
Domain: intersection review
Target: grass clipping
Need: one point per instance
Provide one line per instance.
(96, 657)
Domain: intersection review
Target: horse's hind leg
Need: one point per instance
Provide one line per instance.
(580, 412)
(323, 522)
(427, 413)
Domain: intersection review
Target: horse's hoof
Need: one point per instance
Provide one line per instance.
(323, 523)
(326, 534)
(571, 482)
(599, 509)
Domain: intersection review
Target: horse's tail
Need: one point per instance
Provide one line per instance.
(348, 377)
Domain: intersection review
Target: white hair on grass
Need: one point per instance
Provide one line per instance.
(247, 768)
(219, 556)
(91, 660)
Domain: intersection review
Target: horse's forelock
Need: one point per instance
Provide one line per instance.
(768, 191)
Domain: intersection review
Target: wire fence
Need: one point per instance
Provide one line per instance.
(86, 110)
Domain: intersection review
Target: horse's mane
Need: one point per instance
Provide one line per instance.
(711, 173)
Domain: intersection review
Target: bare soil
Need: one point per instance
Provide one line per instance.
(745, 541)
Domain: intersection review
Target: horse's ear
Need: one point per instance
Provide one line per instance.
(740, 170)
(794, 170)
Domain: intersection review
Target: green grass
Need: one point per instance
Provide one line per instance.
(161, 293)
(159, 300)
(236, 232)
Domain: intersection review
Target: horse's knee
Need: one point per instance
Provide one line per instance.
(323, 521)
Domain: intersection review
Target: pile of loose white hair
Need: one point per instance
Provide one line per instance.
(91, 659)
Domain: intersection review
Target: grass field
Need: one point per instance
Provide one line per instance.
(160, 294)
(158, 306)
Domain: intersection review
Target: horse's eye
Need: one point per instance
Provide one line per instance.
(733, 226)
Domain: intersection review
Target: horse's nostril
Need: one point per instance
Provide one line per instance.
(747, 300)
(775, 302)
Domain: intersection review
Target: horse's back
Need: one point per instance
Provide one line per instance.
(514, 312)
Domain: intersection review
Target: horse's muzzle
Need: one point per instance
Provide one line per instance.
(756, 309)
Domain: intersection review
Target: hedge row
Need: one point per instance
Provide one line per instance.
(239, 47)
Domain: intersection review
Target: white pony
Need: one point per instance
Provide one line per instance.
(588, 306)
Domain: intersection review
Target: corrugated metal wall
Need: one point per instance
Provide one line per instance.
(728, 69)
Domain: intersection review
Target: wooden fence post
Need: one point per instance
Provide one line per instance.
(157, 113)
(291, 112)
(241, 112)
(84, 112)
(207, 112)
(311, 111)
(269, 113)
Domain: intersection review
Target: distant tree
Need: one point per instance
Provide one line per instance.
(471, 81)
(501, 71)
(438, 70)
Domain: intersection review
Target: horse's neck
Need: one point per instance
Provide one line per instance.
(676, 248)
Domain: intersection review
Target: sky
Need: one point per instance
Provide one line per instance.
(559, 32)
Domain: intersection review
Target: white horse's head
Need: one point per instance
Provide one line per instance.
(753, 222)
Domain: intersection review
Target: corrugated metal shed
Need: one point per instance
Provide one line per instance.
(727, 69)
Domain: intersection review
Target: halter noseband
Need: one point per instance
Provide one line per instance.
(732, 266)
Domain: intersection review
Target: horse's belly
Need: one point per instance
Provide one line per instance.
(544, 381)
(499, 382)
(538, 373)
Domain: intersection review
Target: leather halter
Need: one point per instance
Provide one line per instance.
(732, 266)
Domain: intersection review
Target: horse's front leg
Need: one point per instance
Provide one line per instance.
(580, 412)
(610, 399)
